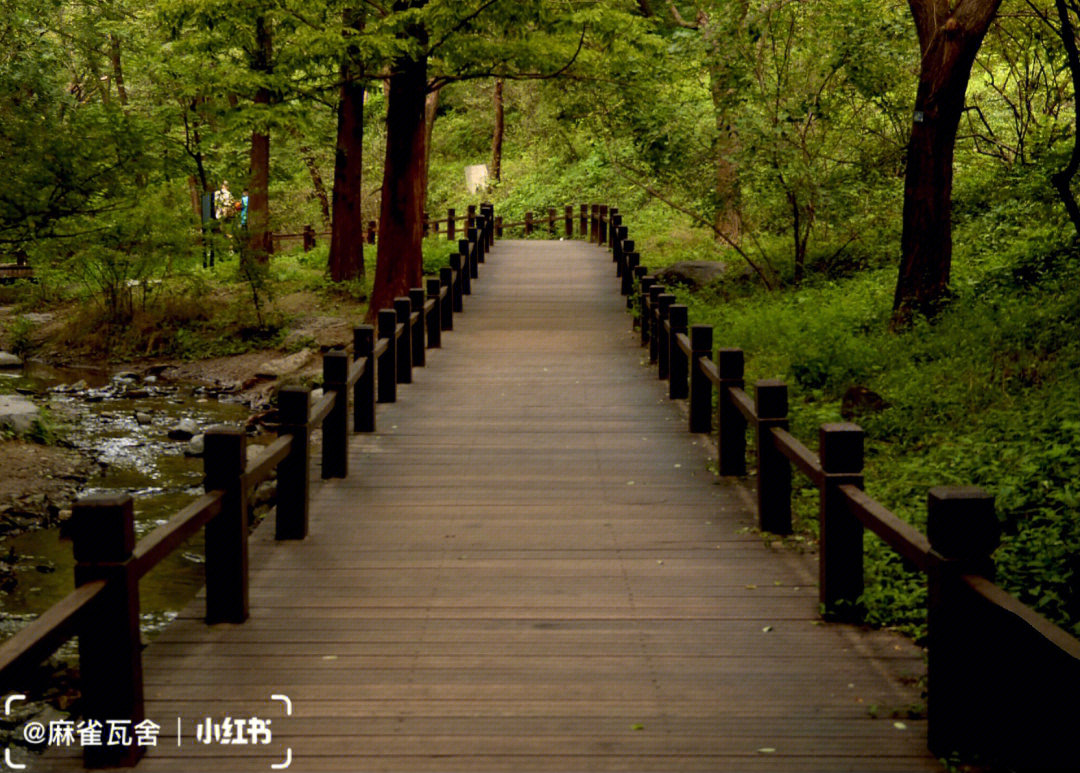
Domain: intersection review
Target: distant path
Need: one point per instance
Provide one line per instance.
(530, 568)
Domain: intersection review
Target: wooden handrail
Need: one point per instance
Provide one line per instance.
(805, 459)
(174, 532)
(897, 533)
(259, 468)
(40, 638)
(321, 409)
(744, 403)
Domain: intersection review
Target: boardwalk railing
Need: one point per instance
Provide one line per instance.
(103, 610)
(1002, 679)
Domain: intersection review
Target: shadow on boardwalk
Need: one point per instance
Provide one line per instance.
(530, 568)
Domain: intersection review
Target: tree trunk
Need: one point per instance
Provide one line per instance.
(347, 231)
(497, 138)
(259, 244)
(1063, 180)
(399, 259)
(118, 69)
(949, 42)
(431, 109)
(316, 180)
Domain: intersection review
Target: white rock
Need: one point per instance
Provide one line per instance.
(285, 365)
(9, 360)
(17, 413)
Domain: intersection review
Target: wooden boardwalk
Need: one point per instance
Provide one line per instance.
(530, 568)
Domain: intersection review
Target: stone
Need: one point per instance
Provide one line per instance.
(253, 452)
(285, 365)
(196, 446)
(143, 418)
(17, 413)
(691, 273)
(185, 429)
(9, 360)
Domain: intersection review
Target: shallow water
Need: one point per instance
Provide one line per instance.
(141, 460)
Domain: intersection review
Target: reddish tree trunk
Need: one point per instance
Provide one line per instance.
(259, 238)
(399, 257)
(949, 41)
(497, 138)
(347, 232)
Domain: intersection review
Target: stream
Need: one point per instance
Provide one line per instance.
(99, 415)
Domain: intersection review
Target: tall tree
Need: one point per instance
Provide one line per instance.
(497, 135)
(950, 34)
(260, 243)
(347, 228)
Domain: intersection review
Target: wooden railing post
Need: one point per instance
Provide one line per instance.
(528, 223)
(731, 433)
(639, 273)
(700, 386)
(631, 260)
(416, 298)
(476, 250)
(774, 469)
(642, 321)
(551, 220)
(664, 302)
(568, 216)
(433, 323)
(450, 224)
(655, 291)
(594, 223)
(470, 215)
(583, 221)
(371, 232)
(447, 308)
(963, 530)
(488, 211)
(840, 555)
(309, 238)
(387, 369)
(110, 659)
(678, 380)
(364, 389)
(226, 534)
(294, 406)
(403, 307)
(427, 224)
(499, 226)
(466, 265)
(618, 234)
(457, 285)
(602, 226)
(335, 444)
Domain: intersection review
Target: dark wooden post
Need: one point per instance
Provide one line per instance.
(476, 248)
(427, 223)
(602, 226)
(646, 283)
(309, 238)
(110, 646)
(387, 369)
(335, 444)
(466, 266)
(499, 226)
(568, 216)
(678, 362)
(416, 298)
(403, 307)
(700, 386)
(551, 220)
(294, 406)
(731, 437)
(434, 321)
(774, 469)
(528, 223)
(664, 302)
(469, 216)
(594, 223)
(371, 232)
(617, 233)
(457, 286)
(435, 226)
(364, 389)
(583, 220)
(655, 291)
(639, 273)
(631, 260)
(447, 307)
(226, 534)
(840, 559)
(450, 224)
(488, 211)
(963, 530)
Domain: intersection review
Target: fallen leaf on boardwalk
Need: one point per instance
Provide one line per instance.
(751, 587)
(766, 750)
(659, 561)
(899, 725)
(329, 657)
(766, 629)
(637, 726)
